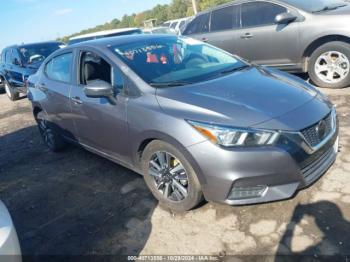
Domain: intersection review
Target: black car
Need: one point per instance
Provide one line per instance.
(18, 62)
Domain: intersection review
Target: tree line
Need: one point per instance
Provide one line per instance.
(176, 9)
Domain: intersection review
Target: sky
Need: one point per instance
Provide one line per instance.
(26, 21)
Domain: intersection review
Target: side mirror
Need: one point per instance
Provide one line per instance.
(285, 18)
(100, 88)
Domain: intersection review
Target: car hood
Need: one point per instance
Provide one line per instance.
(241, 99)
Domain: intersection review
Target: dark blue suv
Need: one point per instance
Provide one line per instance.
(19, 62)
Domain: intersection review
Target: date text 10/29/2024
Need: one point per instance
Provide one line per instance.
(173, 258)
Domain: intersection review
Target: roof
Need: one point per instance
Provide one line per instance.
(154, 28)
(237, 2)
(121, 40)
(37, 43)
(105, 32)
(177, 20)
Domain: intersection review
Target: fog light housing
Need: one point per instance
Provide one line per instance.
(239, 192)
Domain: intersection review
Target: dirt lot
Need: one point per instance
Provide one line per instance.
(75, 203)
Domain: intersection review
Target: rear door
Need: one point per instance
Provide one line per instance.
(263, 41)
(224, 23)
(100, 125)
(5, 58)
(56, 83)
(11, 72)
(17, 70)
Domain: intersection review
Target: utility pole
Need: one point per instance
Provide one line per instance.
(195, 6)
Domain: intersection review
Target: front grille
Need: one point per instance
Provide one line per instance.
(312, 135)
(317, 168)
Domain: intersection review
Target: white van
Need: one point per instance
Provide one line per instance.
(102, 34)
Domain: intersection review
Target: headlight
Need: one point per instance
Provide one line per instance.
(235, 137)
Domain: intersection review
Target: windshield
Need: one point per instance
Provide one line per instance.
(31, 54)
(315, 6)
(170, 61)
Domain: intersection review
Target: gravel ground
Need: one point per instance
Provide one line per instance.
(75, 203)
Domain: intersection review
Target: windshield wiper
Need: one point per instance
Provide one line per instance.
(329, 8)
(170, 84)
(234, 69)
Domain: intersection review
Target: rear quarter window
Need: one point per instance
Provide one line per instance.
(199, 25)
(59, 68)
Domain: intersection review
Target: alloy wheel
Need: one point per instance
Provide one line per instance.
(46, 133)
(332, 67)
(170, 176)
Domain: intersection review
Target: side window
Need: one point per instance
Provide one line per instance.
(8, 56)
(59, 68)
(93, 67)
(260, 14)
(15, 55)
(224, 18)
(173, 25)
(198, 25)
(182, 24)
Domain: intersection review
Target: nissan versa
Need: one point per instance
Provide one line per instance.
(195, 121)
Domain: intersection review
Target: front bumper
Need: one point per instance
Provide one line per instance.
(283, 169)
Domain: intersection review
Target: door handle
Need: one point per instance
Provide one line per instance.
(76, 100)
(247, 36)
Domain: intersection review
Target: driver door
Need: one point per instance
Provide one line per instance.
(100, 125)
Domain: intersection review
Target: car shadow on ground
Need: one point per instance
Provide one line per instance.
(73, 202)
(334, 230)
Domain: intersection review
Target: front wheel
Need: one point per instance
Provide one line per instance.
(170, 177)
(11, 93)
(329, 65)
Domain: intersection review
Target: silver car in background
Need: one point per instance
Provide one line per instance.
(294, 35)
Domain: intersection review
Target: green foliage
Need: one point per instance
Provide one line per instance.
(205, 4)
(176, 9)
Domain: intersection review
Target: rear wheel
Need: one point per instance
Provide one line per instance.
(51, 137)
(330, 65)
(170, 177)
(11, 93)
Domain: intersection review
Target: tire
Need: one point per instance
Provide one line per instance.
(194, 192)
(50, 135)
(11, 93)
(333, 57)
(2, 86)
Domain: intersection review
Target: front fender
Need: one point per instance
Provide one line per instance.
(322, 36)
(157, 135)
